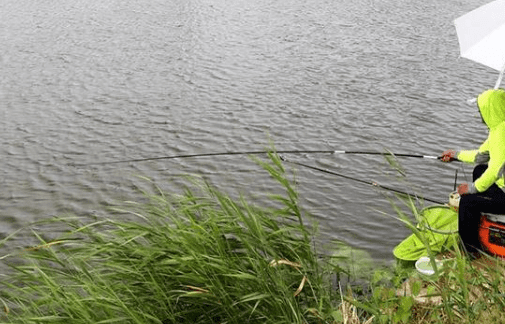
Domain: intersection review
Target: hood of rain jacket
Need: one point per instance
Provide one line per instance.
(492, 152)
(492, 107)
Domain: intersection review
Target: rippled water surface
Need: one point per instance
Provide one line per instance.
(89, 81)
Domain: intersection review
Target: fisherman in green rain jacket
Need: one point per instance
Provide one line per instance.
(487, 191)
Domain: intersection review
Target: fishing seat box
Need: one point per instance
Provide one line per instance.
(492, 233)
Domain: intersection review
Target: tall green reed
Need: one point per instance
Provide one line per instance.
(198, 257)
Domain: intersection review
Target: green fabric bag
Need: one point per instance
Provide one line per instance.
(439, 224)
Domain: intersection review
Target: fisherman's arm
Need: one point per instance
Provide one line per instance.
(479, 156)
(496, 148)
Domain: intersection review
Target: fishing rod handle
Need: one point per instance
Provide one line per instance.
(389, 153)
(450, 159)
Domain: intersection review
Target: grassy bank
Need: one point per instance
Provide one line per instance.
(202, 257)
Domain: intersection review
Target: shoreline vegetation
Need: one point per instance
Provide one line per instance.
(203, 257)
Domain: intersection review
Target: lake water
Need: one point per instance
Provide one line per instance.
(89, 81)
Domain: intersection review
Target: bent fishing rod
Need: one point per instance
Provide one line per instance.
(370, 183)
(184, 156)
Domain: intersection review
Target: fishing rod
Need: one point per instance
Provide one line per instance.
(184, 156)
(370, 183)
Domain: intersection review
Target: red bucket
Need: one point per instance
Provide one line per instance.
(492, 234)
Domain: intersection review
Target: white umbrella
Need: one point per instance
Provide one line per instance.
(481, 35)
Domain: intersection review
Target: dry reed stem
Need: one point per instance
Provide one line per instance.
(197, 289)
(300, 288)
(44, 246)
(295, 265)
(275, 263)
(349, 311)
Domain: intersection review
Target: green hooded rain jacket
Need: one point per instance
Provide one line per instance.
(491, 105)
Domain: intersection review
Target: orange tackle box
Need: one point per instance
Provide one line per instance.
(492, 234)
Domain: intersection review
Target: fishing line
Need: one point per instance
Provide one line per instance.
(370, 183)
(185, 156)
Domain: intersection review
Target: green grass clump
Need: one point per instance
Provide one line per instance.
(463, 290)
(199, 257)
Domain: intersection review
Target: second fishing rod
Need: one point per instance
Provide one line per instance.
(370, 183)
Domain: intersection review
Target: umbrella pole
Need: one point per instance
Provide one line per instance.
(498, 82)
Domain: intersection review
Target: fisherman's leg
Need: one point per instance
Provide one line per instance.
(468, 221)
(469, 214)
(478, 171)
(494, 192)
(470, 208)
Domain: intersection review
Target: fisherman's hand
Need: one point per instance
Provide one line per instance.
(463, 189)
(448, 156)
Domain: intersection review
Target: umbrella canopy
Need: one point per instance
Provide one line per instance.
(481, 35)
